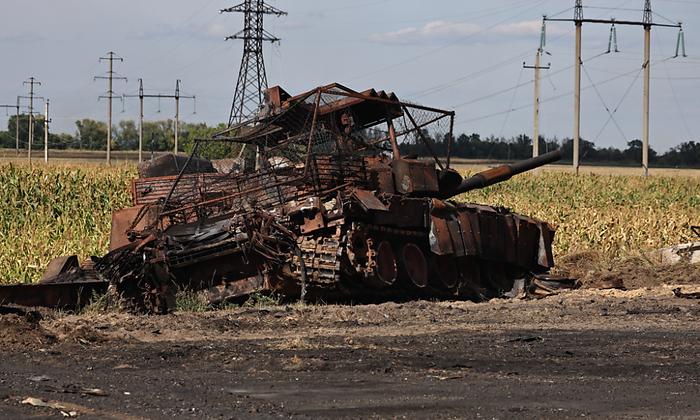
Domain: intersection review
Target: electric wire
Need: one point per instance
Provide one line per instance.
(678, 104)
(487, 70)
(491, 95)
(602, 101)
(546, 100)
(665, 18)
(622, 99)
(679, 108)
(512, 101)
(449, 44)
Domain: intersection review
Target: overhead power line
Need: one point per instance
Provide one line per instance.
(177, 96)
(551, 98)
(449, 44)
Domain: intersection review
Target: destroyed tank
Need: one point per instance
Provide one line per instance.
(321, 205)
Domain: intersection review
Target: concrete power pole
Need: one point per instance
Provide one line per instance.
(140, 120)
(46, 131)
(177, 113)
(31, 82)
(17, 128)
(647, 24)
(537, 67)
(647, 76)
(578, 20)
(111, 58)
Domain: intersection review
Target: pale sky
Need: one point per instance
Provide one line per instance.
(452, 54)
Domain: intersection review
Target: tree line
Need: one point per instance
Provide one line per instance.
(473, 146)
(159, 136)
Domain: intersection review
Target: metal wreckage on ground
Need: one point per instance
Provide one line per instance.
(324, 207)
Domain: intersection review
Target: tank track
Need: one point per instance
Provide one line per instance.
(321, 257)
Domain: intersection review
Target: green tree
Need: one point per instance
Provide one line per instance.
(126, 136)
(210, 150)
(9, 140)
(91, 134)
(633, 153)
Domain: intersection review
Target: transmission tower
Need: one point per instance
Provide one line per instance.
(252, 81)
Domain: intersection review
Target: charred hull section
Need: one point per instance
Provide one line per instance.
(415, 248)
(359, 243)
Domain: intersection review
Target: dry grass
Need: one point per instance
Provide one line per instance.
(464, 165)
(612, 214)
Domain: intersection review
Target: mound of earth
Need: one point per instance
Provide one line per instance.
(22, 330)
(636, 272)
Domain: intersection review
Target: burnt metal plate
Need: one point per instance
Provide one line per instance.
(440, 237)
(368, 200)
(405, 212)
(52, 295)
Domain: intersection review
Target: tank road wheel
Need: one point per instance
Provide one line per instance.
(494, 279)
(415, 265)
(445, 269)
(469, 285)
(376, 265)
(386, 269)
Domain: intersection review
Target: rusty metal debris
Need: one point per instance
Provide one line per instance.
(678, 292)
(319, 204)
(607, 283)
(539, 286)
(695, 230)
(545, 285)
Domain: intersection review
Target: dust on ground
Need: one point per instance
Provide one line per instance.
(593, 353)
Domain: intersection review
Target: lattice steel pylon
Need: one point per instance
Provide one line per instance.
(252, 80)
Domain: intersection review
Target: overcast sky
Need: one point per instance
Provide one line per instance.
(453, 54)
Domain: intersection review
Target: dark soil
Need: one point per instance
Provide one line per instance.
(589, 353)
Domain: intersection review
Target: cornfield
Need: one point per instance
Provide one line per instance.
(57, 210)
(611, 214)
(62, 210)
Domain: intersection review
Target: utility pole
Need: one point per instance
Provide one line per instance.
(177, 113)
(578, 20)
(46, 131)
(647, 23)
(16, 108)
(140, 120)
(647, 20)
(252, 80)
(17, 128)
(177, 96)
(537, 67)
(31, 82)
(111, 58)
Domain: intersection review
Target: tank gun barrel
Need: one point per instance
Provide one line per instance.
(504, 172)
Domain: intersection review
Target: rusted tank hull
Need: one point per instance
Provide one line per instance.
(395, 248)
(330, 210)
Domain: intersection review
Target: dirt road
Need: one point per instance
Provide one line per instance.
(584, 353)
